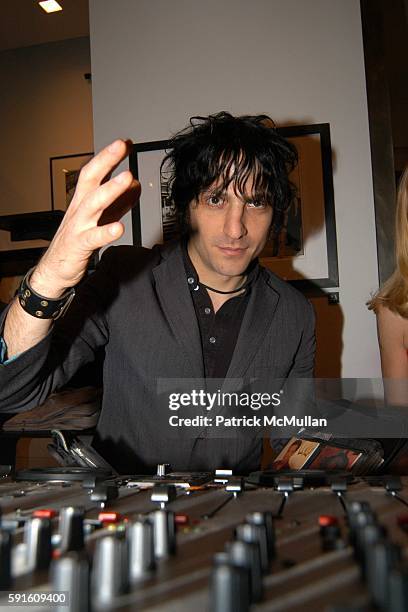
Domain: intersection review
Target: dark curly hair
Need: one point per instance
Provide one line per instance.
(229, 149)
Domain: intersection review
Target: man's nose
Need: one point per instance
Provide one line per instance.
(234, 225)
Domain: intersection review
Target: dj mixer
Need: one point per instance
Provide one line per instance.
(78, 540)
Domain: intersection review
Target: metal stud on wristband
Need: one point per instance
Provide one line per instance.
(39, 306)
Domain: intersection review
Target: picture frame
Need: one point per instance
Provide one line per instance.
(64, 172)
(306, 255)
(313, 264)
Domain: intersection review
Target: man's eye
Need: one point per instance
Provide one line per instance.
(256, 204)
(214, 200)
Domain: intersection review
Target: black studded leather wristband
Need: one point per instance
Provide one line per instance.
(39, 306)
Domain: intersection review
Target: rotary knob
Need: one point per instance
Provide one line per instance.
(71, 528)
(383, 557)
(37, 539)
(109, 577)
(398, 590)
(266, 519)
(366, 538)
(358, 506)
(247, 555)
(331, 537)
(229, 586)
(103, 493)
(70, 573)
(358, 521)
(164, 533)
(163, 494)
(140, 537)
(255, 534)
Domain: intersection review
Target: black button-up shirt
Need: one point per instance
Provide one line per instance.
(219, 331)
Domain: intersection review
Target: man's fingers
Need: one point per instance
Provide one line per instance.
(120, 189)
(100, 236)
(80, 233)
(93, 173)
(122, 204)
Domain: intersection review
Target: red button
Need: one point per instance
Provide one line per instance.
(109, 517)
(181, 519)
(326, 519)
(402, 520)
(44, 513)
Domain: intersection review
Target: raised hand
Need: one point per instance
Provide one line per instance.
(91, 221)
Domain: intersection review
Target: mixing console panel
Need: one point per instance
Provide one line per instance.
(77, 542)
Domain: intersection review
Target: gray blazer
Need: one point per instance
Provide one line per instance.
(137, 305)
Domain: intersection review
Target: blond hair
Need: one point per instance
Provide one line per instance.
(394, 293)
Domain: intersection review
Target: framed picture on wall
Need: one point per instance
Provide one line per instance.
(64, 173)
(304, 253)
(153, 217)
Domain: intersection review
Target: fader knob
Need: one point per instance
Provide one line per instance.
(358, 506)
(384, 556)
(164, 533)
(248, 556)
(162, 469)
(109, 571)
(398, 590)
(365, 540)
(141, 548)
(5, 560)
(361, 519)
(358, 521)
(163, 494)
(330, 537)
(103, 493)
(37, 538)
(255, 534)
(71, 528)
(70, 574)
(265, 518)
(229, 586)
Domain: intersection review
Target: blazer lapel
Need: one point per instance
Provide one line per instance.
(257, 320)
(175, 299)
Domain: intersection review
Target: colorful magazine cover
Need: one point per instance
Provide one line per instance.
(295, 455)
(335, 458)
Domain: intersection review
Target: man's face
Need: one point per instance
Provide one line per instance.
(228, 231)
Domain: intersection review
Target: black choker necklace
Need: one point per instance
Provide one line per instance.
(224, 292)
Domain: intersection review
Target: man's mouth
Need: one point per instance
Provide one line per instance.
(232, 250)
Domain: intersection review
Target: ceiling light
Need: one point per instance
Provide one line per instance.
(50, 6)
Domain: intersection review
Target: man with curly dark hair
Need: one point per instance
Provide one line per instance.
(199, 308)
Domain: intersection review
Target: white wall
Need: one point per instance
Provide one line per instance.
(157, 62)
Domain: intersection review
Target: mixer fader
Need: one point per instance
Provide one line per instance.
(78, 540)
